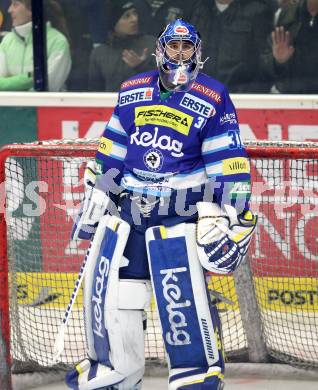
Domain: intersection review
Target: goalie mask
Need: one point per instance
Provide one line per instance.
(178, 56)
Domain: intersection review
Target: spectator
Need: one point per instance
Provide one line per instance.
(235, 34)
(280, 5)
(94, 9)
(165, 12)
(5, 24)
(16, 50)
(82, 40)
(125, 53)
(155, 5)
(292, 57)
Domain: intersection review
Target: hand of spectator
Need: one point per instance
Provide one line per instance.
(282, 49)
(132, 59)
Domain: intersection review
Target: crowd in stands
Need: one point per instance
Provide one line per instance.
(16, 48)
(252, 46)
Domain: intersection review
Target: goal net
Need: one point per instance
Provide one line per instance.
(269, 308)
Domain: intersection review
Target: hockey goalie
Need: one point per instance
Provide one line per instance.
(167, 200)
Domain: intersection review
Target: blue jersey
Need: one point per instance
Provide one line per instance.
(185, 140)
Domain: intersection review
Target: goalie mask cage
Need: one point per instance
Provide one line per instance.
(268, 308)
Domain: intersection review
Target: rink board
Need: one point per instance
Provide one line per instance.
(283, 294)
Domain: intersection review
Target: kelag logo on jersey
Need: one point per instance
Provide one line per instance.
(163, 116)
(153, 139)
(197, 105)
(135, 96)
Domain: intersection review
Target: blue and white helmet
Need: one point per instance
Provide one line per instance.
(180, 67)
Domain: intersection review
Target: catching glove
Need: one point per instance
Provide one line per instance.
(223, 237)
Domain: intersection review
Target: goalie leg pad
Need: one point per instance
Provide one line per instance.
(113, 314)
(189, 331)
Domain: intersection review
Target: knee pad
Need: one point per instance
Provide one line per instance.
(113, 313)
(190, 324)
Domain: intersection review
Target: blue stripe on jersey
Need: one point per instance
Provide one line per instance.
(215, 137)
(218, 156)
(110, 161)
(115, 124)
(117, 157)
(120, 145)
(115, 137)
(234, 178)
(112, 149)
(227, 140)
(215, 150)
(116, 131)
(213, 163)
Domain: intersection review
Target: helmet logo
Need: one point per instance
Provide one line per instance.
(181, 30)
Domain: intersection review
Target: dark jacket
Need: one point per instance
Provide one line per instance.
(299, 74)
(107, 70)
(234, 40)
(171, 10)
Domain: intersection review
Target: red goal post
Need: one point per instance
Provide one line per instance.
(40, 190)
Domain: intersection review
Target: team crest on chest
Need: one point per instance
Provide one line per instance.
(153, 159)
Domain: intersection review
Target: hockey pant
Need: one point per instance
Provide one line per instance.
(190, 324)
(113, 311)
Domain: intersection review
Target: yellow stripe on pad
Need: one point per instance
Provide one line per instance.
(79, 369)
(163, 232)
(215, 373)
(116, 225)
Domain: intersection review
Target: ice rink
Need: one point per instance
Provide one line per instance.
(231, 384)
(239, 377)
